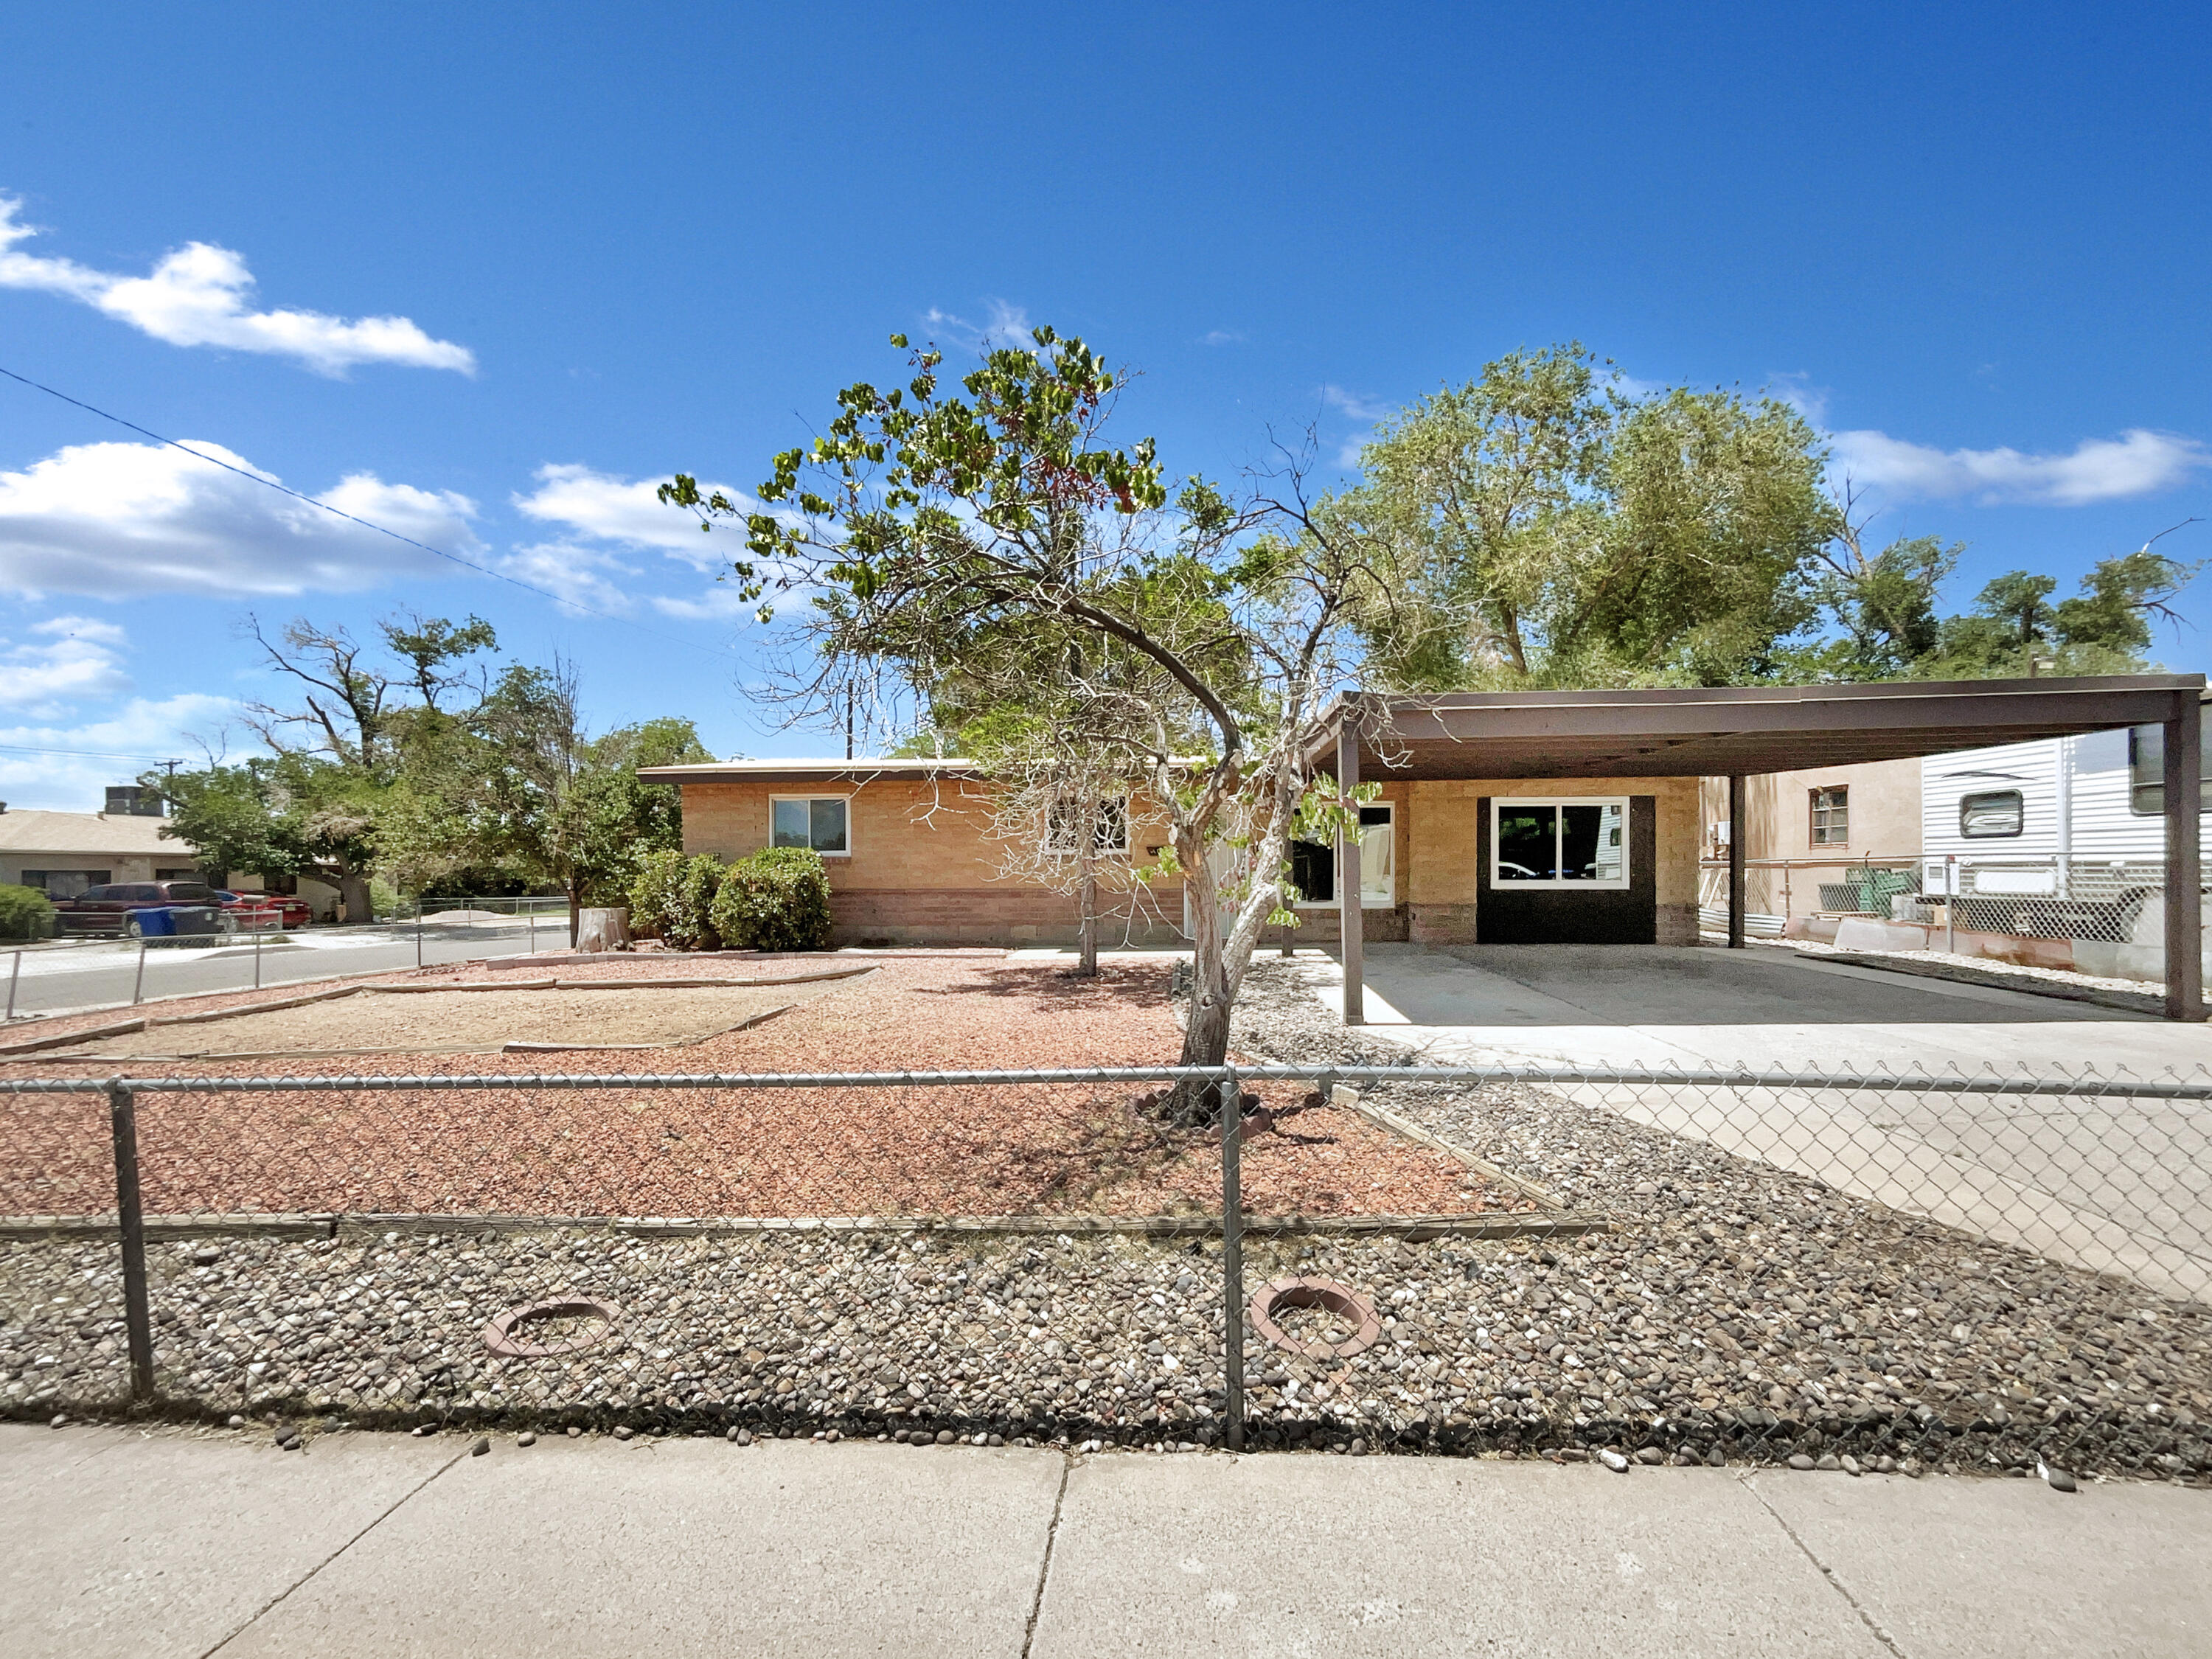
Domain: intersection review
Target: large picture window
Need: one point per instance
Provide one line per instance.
(817, 822)
(1577, 843)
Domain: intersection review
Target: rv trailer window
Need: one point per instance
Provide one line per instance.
(1991, 815)
(2147, 769)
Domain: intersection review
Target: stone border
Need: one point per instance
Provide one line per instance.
(353, 1225)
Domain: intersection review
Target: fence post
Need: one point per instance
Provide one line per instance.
(131, 1223)
(1232, 1258)
(257, 955)
(138, 985)
(13, 974)
(1951, 904)
(418, 933)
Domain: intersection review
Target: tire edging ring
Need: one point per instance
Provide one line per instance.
(499, 1336)
(1300, 1293)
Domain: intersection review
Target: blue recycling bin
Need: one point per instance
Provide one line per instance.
(169, 920)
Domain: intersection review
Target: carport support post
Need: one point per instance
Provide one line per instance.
(131, 1223)
(1232, 1263)
(1735, 861)
(2184, 916)
(1347, 877)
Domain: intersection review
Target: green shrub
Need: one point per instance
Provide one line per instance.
(672, 900)
(25, 913)
(655, 892)
(776, 900)
(702, 881)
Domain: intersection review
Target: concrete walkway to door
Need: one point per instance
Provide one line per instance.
(2105, 1183)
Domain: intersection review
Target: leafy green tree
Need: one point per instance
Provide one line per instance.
(931, 523)
(1537, 528)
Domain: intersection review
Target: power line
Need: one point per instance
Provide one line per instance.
(365, 523)
(87, 754)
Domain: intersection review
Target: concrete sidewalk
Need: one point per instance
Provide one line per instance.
(166, 1542)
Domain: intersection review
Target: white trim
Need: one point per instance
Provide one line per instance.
(818, 853)
(1558, 883)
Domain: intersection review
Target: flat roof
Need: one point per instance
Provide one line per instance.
(860, 769)
(1709, 732)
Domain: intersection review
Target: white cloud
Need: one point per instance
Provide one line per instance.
(572, 574)
(1221, 336)
(1358, 405)
(615, 509)
(81, 658)
(201, 294)
(2136, 463)
(115, 519)
(1003, 324)
(723, 602)
(132, 740)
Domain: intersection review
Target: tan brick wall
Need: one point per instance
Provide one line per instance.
(923, 869)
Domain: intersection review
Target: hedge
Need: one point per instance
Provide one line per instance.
(672, 900)
(776, 900)
(25, 913)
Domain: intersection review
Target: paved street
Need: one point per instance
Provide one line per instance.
(166, 1543)
(56, 978)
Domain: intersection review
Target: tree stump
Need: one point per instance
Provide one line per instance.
(603, 930)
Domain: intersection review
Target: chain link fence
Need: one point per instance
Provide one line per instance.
(2101, 916)
(1664, 1266)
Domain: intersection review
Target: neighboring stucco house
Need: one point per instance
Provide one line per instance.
(62, 854)
(1809, 830)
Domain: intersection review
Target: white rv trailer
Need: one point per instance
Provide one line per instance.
(2058, 839)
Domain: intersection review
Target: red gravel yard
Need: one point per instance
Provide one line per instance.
(975, 1152)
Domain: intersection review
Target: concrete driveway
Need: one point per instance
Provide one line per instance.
(2108, 1182)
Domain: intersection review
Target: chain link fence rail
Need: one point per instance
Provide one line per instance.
(1975, 1271)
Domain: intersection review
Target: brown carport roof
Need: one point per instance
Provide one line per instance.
(1714, 732)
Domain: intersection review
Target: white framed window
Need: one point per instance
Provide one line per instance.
(1832, 816)
(1313, 866)
(1576, 842)
(1109, 831)
(820, 822)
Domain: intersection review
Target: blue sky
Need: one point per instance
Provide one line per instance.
(630, 240)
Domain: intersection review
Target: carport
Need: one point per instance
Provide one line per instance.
(1582, 741)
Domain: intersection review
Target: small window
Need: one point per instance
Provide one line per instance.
(1559, 843)
(1832, 816)
(1109, 831)
(282, 884)
(1991, 815)
(817, 823)
(1313, 866)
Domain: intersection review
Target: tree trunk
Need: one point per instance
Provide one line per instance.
(576, 908)
(353, 894)
(1086, 963)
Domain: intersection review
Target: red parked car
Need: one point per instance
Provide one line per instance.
(134, 908)
(256, 912)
